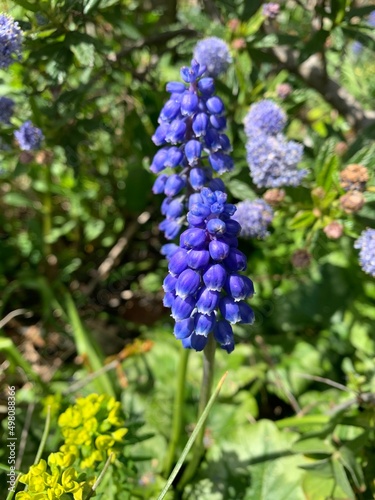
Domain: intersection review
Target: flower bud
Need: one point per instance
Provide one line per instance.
(223, 334)
(206, 86)
(177, 262)
(169, 283)
(193, 238)
(203, 323)
(221, 163)
(274, 196)
(175, 87)
(198, 342)
(215, 276)
(334, 230)
(159, 184)
(182, 308)
(183, 328)
(174, 157)
(176, 131)
(197, 178)
(198, 259)
(193, 150)
(215, 105)
(160, 133)
(200, 124)
(219, 250)
(216, 227)
(189, 104)
(187, 283)
(352, 202)
(236, 261)
(173, 185)
(170, 110)
(354, 177)
(239, 287)
(207, 301)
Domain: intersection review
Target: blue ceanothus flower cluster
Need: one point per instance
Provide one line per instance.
(28, 136)
(366, 246)
(273, 160)
(254, 218)
(10, 41)
(6, 109)
(204, 288)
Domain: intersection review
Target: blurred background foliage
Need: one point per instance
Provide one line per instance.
(80, 268)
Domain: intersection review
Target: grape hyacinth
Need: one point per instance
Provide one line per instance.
(203, 288)
(28, 136)
(204, 275)
(366, 246)
(254, 218)
(10, 41)
(6, 110)
(213, 53)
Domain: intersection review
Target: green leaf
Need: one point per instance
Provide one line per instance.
(274, 474)
(33, 6)
(349, 461)
(302, 219)
(327, 172)
(337, 13)
(313, 446)
(87, 347)
(89, 5)
(84, 53)
(241, 190)
(321, 468)
(15, 199)
(342, 479)
(94, 228)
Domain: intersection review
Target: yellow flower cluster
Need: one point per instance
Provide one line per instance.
(60, 482)
(93, 429)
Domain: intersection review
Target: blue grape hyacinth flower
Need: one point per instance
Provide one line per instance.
(28, 136)
(6, 110)
(213, 53)
(10, 41)
(204, 288)
(193, 145)
(366, 246)
(254, 218)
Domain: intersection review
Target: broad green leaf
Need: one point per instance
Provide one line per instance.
(349, 461)
(342, 479)
(84, 53)
(313, 446)
(241, 190)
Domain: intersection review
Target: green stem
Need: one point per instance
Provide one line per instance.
(47, 211)
(44, 436)
(192, 438)
(100, 478)
(178, 411)
(208, 374)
